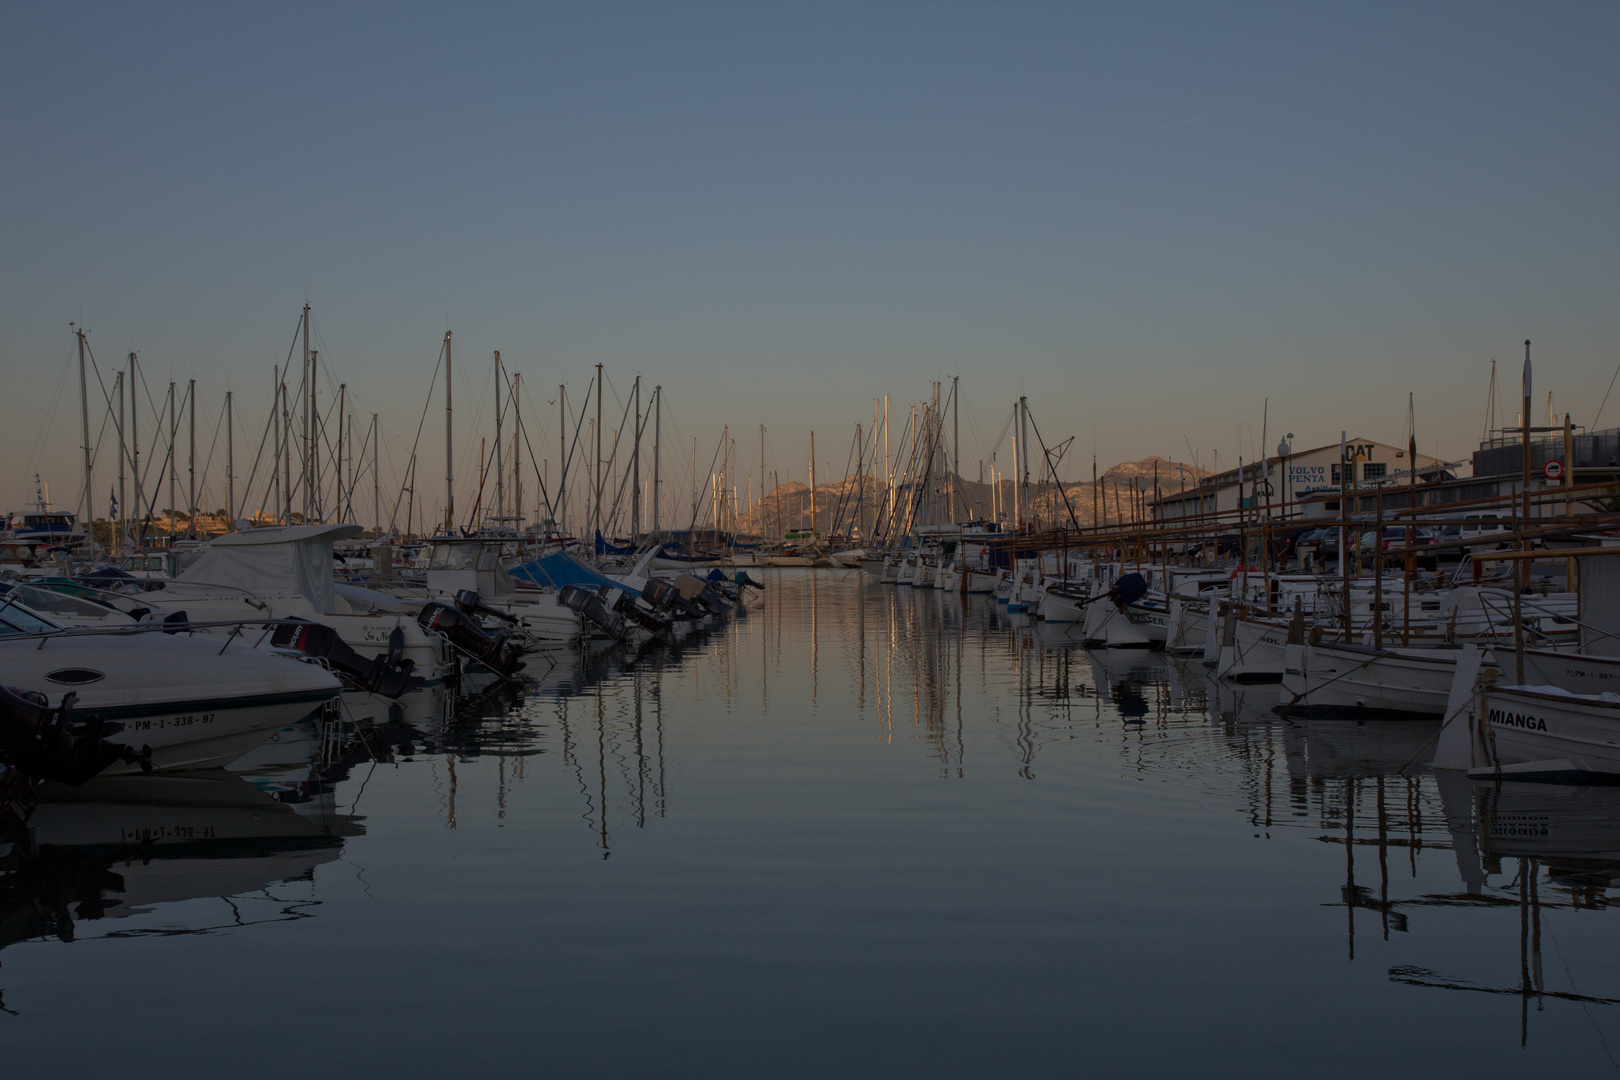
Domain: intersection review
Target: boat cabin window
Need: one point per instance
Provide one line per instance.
(16, 619)
(464, 557)
(60, 604)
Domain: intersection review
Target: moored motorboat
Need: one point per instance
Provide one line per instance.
(194, 703)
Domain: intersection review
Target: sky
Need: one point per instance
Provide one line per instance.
(1165, 224)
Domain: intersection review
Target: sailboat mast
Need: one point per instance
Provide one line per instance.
(174, 435)
(312, 481)
(1520, 566)
(304, 404)
(956, 442)
(812, 487)
(596, 511)
(275, 461)
(340, 483)
(134, 437)
(635, 474)
(860, 475)
(1023, 431)
(500, 465)
(658, 430)
(230, 465)
(191, 461)
(84, 417)
(888, 469)
(517, 445)
(118, 518)
(562, 460)
(376, 482)
(449, 444)
(1018, 506)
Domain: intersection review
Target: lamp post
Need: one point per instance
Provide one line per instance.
(1283, 450)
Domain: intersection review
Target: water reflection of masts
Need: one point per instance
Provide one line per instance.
(601, 772)
(1355, 896)
(1531, 984)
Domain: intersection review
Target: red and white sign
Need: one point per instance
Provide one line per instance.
(1553, 470)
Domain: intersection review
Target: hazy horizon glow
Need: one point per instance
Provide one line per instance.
(1148, 218)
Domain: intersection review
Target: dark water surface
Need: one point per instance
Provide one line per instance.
(856, 831)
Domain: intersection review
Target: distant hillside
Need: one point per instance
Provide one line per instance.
(787, 508)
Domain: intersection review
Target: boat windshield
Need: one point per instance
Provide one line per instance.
(16, 619)
(463, 557)
(60, 605)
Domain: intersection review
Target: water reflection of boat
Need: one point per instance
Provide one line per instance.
(1132, 677)
(1348, 749)
(1055, 635)
(1570, 832)
(120, 846)
(1574, 827)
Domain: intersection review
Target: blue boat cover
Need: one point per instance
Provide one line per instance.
(605, 548)
(560, 568)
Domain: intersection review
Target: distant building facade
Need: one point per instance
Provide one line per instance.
(1310, 478)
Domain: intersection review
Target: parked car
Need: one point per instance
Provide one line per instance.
(1395, 537)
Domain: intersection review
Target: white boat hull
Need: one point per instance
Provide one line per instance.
(194, 706)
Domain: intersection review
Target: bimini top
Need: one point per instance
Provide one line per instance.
(281, 560)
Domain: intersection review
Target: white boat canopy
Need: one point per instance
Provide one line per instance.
(273, 561)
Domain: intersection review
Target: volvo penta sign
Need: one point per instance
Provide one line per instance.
(1303, 478)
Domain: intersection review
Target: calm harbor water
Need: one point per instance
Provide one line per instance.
(855, 831)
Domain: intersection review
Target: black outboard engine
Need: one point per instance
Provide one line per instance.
(715, 599)
(43, 743)
(649, 621)
(462, 631)
(590, 606)
(388, 674)
(662, 596)
(1128, 590)
(470, 603)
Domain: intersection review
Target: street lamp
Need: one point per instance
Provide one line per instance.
(1283, 450)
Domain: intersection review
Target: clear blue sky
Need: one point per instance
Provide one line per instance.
(1148, 218)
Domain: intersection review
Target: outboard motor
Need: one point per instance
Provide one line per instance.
(470, 603)
(590, 606)
(662, 596)
(462, 631)
(626, 606)
(715, 599)
(745, 582)
(388, 674)
(43, 743)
